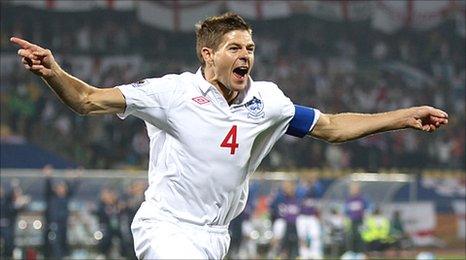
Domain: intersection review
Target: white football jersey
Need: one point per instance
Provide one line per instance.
(203, 150)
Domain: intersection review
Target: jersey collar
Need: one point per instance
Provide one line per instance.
(204, 85)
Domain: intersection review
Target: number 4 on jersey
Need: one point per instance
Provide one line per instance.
(230, 140)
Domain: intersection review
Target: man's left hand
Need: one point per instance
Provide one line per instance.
(426, 118)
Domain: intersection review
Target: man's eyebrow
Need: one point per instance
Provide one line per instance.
(239, 44)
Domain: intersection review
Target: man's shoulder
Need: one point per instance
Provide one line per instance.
(179, 76)
(267, 88)
(168, 82)
(266, 85)
(185, 76)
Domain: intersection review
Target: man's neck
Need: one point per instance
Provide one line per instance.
(227, 93)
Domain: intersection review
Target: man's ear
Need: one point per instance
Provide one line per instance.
(207, 55)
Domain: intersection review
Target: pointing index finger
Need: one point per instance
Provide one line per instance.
(22, 43)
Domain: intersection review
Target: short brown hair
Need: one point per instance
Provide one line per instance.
(209, 32)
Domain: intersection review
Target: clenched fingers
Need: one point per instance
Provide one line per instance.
(26, 54)
(37, 67)
(425, 127)
(42, 52)
(438, 120)
(30, 62)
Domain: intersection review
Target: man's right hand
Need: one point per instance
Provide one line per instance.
(38, 60)
(81, 97)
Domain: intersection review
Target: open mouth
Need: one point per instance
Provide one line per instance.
(241, 71)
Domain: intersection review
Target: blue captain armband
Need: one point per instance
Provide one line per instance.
(303, 120)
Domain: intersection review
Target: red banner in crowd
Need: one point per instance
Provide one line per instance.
(181, 15)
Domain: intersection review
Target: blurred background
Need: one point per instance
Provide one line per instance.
(70, 185)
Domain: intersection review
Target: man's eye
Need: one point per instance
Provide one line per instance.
(233, 48)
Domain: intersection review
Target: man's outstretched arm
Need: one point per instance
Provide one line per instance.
(349, 126)
(79, 96)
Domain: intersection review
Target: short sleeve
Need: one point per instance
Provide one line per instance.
(148, 99)
(303, 121)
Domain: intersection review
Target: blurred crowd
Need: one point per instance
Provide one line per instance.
(101, 228)
(332, 66)
(283, 219)
(292, 223)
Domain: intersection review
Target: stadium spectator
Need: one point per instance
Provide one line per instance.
(109, 212)
(131, 200)
(140, 146)
(308, 222)
(286, 240)
(243, 228)
(355, 209)
(12, 201)
(399, 238)
(375, 233)
(58, 194)
(334, 226)
(236, 233)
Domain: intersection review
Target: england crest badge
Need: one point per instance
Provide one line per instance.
(255, 107)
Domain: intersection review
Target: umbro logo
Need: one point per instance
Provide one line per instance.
(201, 100)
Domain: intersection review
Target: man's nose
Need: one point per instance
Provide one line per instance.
(244, 55)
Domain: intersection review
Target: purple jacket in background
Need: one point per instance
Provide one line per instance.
(288, 209)
(308, 206)
(309, 203)
(355, 207)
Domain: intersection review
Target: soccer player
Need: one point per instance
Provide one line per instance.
(208, 133)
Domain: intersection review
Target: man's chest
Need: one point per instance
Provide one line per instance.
(206, 124)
